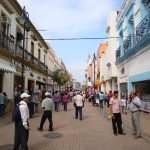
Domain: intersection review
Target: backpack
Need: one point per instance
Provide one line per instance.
(16, 115)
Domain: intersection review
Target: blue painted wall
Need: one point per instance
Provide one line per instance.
(136, 78)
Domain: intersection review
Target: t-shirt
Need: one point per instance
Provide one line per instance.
(123, 102)
(101, 96)
(65, 98)
(47, 104)
(115, 105)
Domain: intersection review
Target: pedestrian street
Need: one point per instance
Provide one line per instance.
(94, 132)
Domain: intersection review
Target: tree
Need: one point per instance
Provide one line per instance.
(59, 77)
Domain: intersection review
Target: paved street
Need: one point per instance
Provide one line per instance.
(94, 132)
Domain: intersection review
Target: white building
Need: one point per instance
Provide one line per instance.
(108, 70)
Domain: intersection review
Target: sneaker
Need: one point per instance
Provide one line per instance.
(40, 129)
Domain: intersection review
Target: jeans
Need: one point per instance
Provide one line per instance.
(65, 106)
(101, 103)
(56, 106)
(117, 123)
(1, 110)
(78, 110)
(47, 114)
(21, 137)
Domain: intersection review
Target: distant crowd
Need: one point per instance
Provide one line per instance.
(25, 109)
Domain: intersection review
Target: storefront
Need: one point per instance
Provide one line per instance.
(123, 90)
(143, 90)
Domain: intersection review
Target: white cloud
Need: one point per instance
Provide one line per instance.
(64, 17)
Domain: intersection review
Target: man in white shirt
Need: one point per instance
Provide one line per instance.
(135, 114)
(79, 105)
(47, 105)
(22, 127)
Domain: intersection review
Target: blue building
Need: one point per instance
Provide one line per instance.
(133, 53)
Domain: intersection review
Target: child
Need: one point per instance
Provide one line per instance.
(123, 104)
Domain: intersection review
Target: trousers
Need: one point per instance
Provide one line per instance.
(47, 114)
(21, 137)
(117, 123)
(136, 123)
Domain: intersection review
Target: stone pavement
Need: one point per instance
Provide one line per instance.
(94, 132)
(144, 120)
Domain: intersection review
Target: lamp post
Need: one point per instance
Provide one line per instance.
(94, 59)
(24, 20)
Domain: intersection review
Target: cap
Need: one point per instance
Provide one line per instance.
(23, 95)
(47, 94)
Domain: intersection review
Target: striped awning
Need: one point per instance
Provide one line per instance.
(6, 68)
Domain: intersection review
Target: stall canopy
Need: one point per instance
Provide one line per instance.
(6, 68)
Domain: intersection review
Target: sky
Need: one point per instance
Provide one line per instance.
(71, 19)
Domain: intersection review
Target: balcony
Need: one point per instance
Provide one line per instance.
(143, 28)
(128, 43)
(8, 48)
(135, 43)
(7, 43)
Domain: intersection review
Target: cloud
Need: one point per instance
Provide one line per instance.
(66, 17)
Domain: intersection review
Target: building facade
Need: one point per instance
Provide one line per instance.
(132, 56)
(108, 70)
(39, 59)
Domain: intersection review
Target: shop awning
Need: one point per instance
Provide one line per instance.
(6, 68)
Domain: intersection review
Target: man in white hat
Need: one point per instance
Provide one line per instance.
(47, 105)
(22, 126)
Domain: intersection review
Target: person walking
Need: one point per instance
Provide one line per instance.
(135, 114)
(2, 103)
(57, 99)
(47, 105)
(116, 114)
(101, 99)
(78, 99)
(65, 101)
(22, 126)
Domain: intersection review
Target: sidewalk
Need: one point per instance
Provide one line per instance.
(94, 132)
(144, 120)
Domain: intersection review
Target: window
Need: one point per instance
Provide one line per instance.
(39, 55)
(32, 48)
(44, 60)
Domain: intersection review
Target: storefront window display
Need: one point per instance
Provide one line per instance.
(143, 90)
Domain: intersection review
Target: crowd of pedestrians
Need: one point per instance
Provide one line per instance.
(78, 98)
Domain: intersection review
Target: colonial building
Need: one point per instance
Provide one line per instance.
(15, 38)
(132, 55)
(108, 70)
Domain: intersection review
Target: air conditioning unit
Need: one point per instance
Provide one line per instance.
(5, 20)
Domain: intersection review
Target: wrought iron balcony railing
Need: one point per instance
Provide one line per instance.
(128, 43)
(143, 28)
(117, 53)
(7, 42)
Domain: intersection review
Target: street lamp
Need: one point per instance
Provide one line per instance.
(24, 20)
(94, 59)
